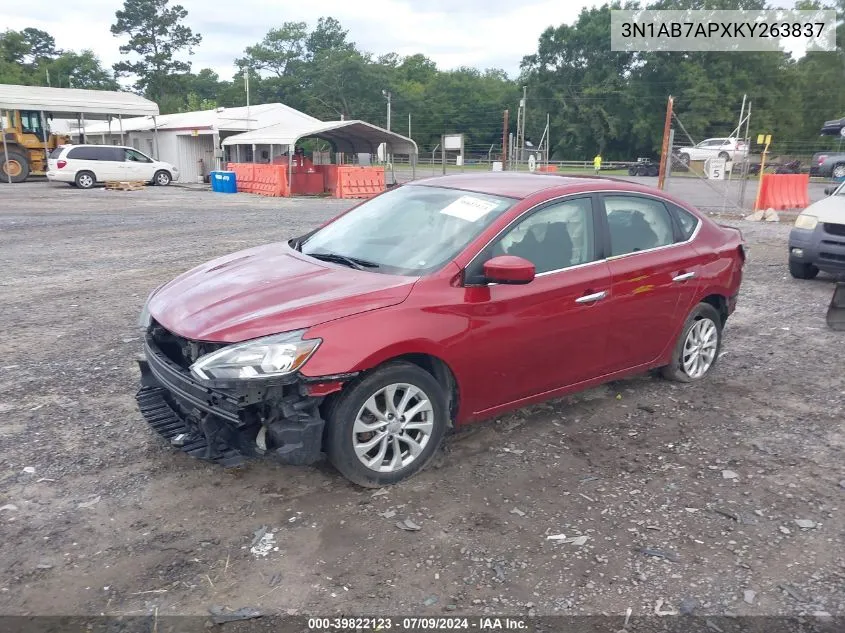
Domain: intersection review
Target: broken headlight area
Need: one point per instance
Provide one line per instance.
(226, 421)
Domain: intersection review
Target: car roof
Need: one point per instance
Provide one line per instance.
(524, 185)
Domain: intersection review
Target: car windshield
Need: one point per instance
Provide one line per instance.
(412, 230)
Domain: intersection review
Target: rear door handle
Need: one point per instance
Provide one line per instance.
(684, 277)
(596, 296)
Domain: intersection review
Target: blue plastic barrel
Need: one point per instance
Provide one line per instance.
(228, 182)
(214, 177)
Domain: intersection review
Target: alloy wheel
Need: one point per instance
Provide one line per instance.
(85, 181)
(839, 171)
(700, 348)
(393, 427)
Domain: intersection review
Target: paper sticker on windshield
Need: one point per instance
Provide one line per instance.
(469, 208)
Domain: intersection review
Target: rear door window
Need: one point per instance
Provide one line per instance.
(637, 223)
(84, 152)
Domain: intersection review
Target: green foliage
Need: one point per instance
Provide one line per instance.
(598, 100)
(30, 58)
(156, 36)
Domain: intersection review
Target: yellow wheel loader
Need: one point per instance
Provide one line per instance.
(26, 144)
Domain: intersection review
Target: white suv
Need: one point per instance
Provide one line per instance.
(85, 165)
(728, 148)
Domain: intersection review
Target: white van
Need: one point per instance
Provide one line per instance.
(85, 165)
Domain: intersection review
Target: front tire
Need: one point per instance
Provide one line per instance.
(697, 349)
(800, 270)
(162, 178)
(14, 164)
(838, 170)
(386, 427)
(684, 158)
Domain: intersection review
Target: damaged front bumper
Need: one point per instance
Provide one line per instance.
(229, 422)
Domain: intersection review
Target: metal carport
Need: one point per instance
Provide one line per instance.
(80, 104)
(355, 137)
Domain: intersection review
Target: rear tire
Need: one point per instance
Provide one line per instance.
(14, 164)
(684, 158)
(353, 410)
(162, 178)
(701, 338)
(838, 170)
(800, 270)
(653, 170)
(85, 180)
(724, 155)
(632, 170)
(642, 170)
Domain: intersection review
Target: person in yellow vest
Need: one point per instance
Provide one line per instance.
(597, 163)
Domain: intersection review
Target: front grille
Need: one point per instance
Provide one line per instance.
(179, 350)
(832, 257)
(834, 229)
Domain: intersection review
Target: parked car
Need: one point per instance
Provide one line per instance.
(85, 165)
(828, 165)
(441, 302)
(817, 241)
(728, 148)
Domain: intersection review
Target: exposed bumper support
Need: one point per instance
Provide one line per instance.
(229, 424)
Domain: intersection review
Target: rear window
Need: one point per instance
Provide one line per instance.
(56, 152)
(686, 220)
(84, 152)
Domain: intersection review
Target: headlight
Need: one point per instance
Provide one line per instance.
(808, 222)
(276, 355)
(144, 319)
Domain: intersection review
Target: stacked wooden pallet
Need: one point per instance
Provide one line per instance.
(125, 185)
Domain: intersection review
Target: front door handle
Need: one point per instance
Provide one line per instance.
(596, 296)
(684, 277)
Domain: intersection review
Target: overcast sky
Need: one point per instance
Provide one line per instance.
(480, 33)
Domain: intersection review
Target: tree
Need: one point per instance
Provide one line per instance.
(328, 35)
(79, 70)
(41, 44)
(156, 36)
(279, 51)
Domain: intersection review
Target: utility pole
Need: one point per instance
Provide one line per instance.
(522, 130)
(505, 142)
(548, 136)
(387, 94)
(666, 149)
(409, 125)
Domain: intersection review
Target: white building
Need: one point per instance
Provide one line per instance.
(192, 140)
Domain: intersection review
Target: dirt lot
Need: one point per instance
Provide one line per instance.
(98, 516)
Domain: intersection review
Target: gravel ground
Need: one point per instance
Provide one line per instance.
(671, 497)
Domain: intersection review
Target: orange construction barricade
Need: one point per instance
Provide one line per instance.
(784, 191)
(359, 182)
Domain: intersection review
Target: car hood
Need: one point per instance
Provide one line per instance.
(267, 290)
(830, 209)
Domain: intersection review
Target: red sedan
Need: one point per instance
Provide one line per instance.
(441, 302)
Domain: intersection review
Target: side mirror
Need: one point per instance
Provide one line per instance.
(828, 191)
(509, 269)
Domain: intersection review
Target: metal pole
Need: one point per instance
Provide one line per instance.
(443, 152)
(524, 112)
(744, 185)
(388, 114)
(548, 136)
(120, 119)
(290, 167)
(108, 119)
(409, 125)
(5, 149)
(155, 137)
(44, 136)
(82, 127)
(414, 166)
(505, 142)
